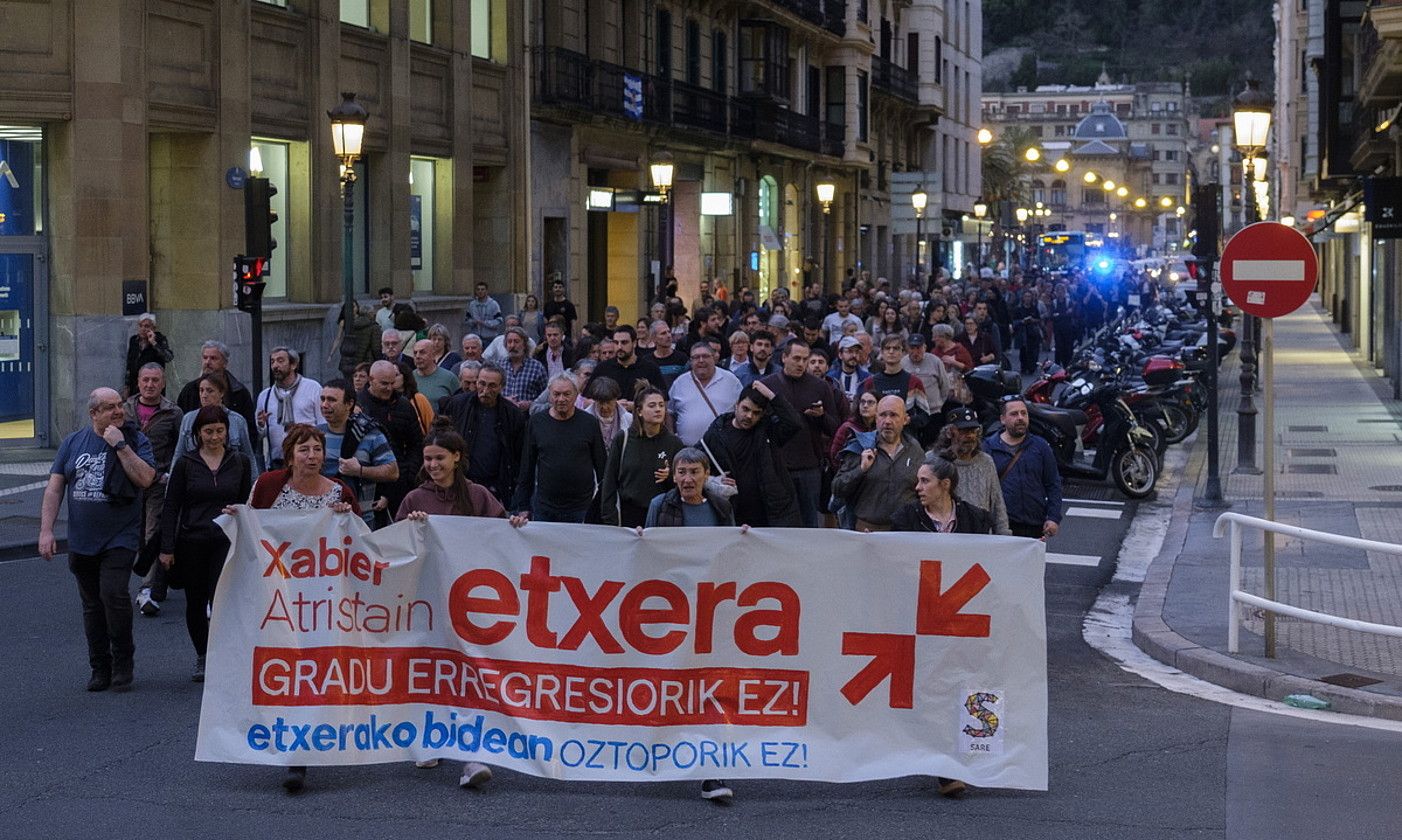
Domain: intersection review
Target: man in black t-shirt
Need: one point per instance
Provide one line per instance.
(627, 367)
(561, 306)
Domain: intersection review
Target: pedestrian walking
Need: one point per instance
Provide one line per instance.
(214, 358)
(639, 462)
(399, 421)
(202, 483)
(1027, 473)
(212, 388)
(102, 469)
(291, 398)
(483, 316)
(878, 468)
(445, 490)
(562, 460)
(146, 347)
(495, 432)
(159, 419)
(357, 451)
(744, 445)
(803, 452)
(301, 486)
(962, 442)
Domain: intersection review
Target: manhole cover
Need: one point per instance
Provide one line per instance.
(1313, 453)
(1307, 428)
(1349, 680)
(1312, 469)
(1387, 488)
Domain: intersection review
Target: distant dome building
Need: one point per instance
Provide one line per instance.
(1100, 124)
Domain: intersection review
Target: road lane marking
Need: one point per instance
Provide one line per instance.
(1092, 502)
(1073, 559)
(1093, 513)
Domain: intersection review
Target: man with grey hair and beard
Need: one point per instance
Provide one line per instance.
(978, 485)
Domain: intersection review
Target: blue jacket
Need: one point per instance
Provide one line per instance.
(1032, 488)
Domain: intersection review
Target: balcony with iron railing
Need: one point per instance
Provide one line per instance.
(890, 77)
(572, 81)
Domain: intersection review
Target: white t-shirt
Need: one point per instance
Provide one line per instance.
(832, 325)
(689, 407)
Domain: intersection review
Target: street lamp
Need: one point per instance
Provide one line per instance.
(1089, 177)
(1062, 165)
(1033, 154)
(662, 168)
(984, 137)
(348, 142)
(980, 210)
(826, 190)
(919, 200)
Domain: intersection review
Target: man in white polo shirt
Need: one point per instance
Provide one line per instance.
(703, 393)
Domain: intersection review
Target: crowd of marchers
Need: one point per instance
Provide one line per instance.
(843, 410)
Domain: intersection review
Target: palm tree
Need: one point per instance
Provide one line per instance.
(1006, 176)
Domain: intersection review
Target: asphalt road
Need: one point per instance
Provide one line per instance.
(1128, 759)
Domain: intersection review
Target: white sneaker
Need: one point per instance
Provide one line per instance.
(145, 603)
(427, 764)
(475, 775)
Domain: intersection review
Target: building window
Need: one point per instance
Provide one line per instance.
(837, 95)
(693, 53)
(488, 30)
(1172, 128)
(1058, 193)
(356, 13)
(1155, 155)
(719, 61)
(1094, 195)
(1155, 128)
(1039, 192)
(939, 60)
(423, 214)
(764, 59)
(421, 21)
(1170, 154)
(1170, 178)
(273, 156)
(1156, 179)
(1061, 131)
(862, 105)
(22, 205)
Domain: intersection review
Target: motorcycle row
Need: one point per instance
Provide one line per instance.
(1132, 391)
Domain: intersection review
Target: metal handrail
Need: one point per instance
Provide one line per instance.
(1233, 523)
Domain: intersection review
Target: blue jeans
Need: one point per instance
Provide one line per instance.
(809, 487)
(543, 511)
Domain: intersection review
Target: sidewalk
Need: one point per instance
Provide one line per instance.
(22, 479)
(1338, 469)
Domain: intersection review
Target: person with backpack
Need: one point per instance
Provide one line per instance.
(358, 452)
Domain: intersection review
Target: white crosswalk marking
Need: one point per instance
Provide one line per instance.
(1093, 502)
(1073, 559)
(1093, 513)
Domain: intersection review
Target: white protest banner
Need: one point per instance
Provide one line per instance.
(589, 652)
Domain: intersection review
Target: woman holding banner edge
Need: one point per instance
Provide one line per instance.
(444, 490)
(937, 510)
(301, 486)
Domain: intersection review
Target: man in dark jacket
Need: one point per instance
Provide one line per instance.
(214, 357)
(159, 419)
(745, 444)
(494, 430)
(878, 468)
(688, 504)
(803, 453)
(562, 461)
(400, 423)
(1027, 470)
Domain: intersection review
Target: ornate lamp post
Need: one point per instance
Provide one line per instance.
(826, 191)
(1251, 124)
(348, 139)
(919, 200)
(662, 169)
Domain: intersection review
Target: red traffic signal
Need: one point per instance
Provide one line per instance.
(248, 282)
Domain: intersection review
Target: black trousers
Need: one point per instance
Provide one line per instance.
(200, 559)
(1065, 344)
(106, 595)
(1023, 529)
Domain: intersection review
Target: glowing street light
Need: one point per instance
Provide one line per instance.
(1089, 177)
(1033, 154)
(1062, 165)
(984, 137)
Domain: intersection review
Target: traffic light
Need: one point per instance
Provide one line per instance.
(248, 282)
(258, 217)
(1207, 218)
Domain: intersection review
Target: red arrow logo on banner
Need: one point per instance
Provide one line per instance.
(892, 656)
(937, 614)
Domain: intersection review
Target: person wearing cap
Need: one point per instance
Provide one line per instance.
(962, 438)
(879, 467)
(848, 374)
(928, 368)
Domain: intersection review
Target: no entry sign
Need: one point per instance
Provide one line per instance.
(1269, 269)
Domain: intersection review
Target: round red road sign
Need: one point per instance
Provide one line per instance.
(1269, 269)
